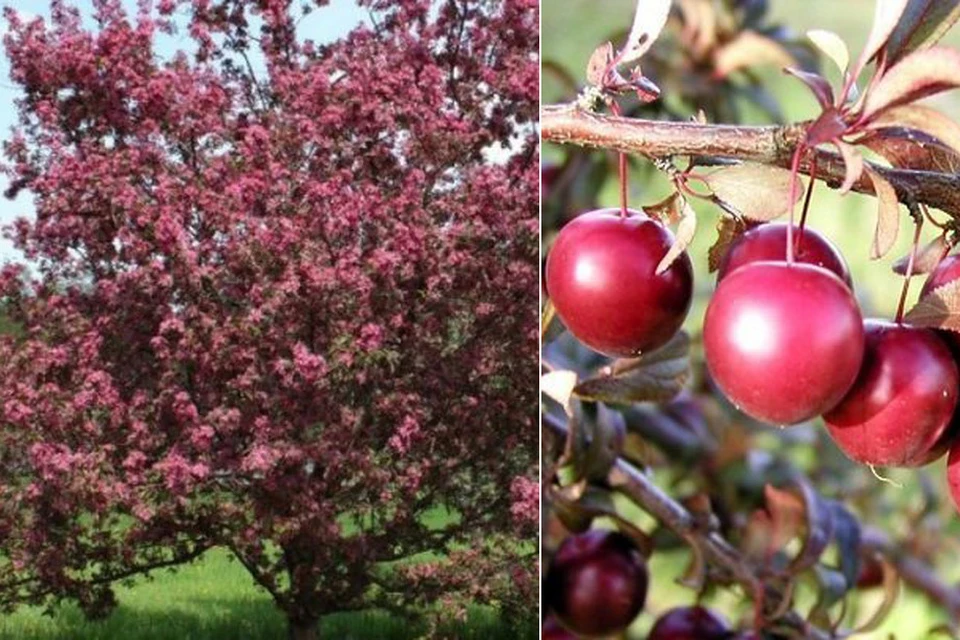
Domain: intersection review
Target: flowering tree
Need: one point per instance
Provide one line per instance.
(281, 298)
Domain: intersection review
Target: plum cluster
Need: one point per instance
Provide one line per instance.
(597, 584)
(784, 341)
(787, 343)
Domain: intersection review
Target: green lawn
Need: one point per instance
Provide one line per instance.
(215, 599)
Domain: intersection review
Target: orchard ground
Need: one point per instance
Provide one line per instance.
(215, 599)
(569, 38)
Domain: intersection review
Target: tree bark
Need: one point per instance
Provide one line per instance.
(303, 630)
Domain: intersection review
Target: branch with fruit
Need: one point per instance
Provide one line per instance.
(785, 341)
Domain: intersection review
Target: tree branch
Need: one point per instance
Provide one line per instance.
(716, 550)
(914, 572)
(10, 596)
(772, 145)
(271, 588)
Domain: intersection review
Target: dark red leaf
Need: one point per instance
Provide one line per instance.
(821, 89)
(728, 230)
(599, 65)
(819, 528)
(919, 75)
(923, 23)
(921, 118)
(885, 18)
(831, 587)
(829, 126)
(847, 534)
(656, 376)
(597, 442)
(912, 149)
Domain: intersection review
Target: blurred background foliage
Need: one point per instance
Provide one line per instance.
(919, 513)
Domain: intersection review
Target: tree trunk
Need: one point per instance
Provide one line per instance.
(303, 630)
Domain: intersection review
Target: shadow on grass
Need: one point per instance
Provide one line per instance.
(215, 599)
(232, 619)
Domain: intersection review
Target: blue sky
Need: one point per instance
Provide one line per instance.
(324, 25)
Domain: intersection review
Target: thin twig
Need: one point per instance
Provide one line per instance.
(914, 572)
(723, 556)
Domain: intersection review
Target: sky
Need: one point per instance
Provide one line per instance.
(323, 25)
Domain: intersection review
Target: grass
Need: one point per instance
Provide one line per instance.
(215, 599)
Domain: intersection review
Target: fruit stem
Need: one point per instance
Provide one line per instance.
(947, 248)
(884, 479)
(794, 184)
(909, 273)
(806, 201)
(622, 168)
(623, 185)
